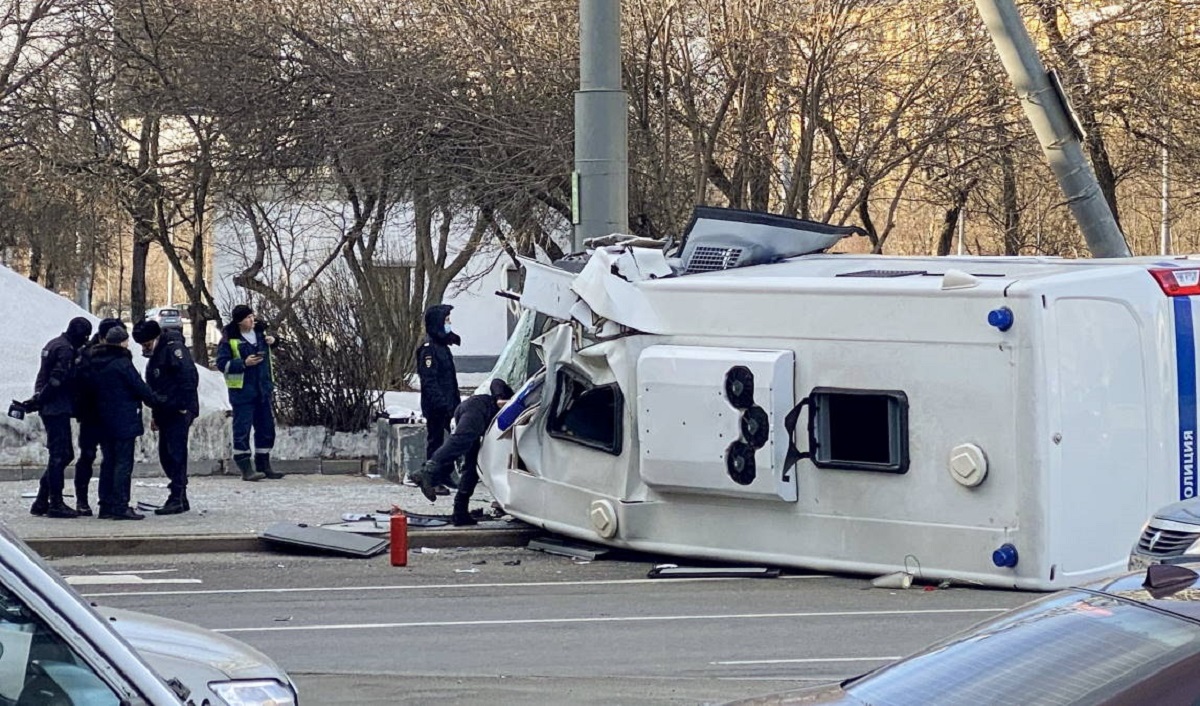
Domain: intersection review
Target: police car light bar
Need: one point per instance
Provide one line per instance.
(1178, 282)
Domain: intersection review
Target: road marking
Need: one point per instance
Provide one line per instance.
(812, 660)
(121, 579)
(141, 571)
(436, 587)
(615, 619)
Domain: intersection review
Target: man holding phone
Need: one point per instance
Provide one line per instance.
(244, 357)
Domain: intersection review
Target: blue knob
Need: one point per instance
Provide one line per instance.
(1005, 557)
(1001, 318)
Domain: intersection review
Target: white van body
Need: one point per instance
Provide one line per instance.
(948, 444)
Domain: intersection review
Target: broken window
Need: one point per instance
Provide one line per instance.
(586, 413)
(860, 430)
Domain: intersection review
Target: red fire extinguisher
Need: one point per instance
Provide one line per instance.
(399, 539)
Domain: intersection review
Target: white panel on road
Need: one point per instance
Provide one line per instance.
(121, 579)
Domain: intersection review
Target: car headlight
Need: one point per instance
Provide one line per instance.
(260, 692)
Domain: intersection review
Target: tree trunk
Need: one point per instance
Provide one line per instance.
(1010, 204)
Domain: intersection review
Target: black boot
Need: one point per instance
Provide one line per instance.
(262, 462)
(462, 515)
(41, 504)
(424, 479)
(184, 501)
(81, 502)
(126, 514)
(60, 510)
(173, 505)
(248, 472)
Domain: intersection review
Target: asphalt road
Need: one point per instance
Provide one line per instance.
(472, 627)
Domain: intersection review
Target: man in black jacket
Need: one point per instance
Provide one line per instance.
(120, 392)
(88, 413)
(172, 374)
(471, 421)
(53, 398)
(439, 380)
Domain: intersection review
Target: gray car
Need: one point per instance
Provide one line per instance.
(57, 650)
(1171, 536)
(166, 316)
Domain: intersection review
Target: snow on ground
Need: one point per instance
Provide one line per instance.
(33, 315)
(407, 404)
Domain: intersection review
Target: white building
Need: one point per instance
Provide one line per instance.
(307, 234)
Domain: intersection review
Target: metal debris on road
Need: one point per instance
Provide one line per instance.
(673, 571)
(562, 547)
(304, 536)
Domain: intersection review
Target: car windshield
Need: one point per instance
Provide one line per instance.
(1070, 648)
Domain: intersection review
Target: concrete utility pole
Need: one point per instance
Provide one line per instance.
(600, 184)
(1056, 131)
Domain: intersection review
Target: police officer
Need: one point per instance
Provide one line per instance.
(171, 373)
(53, 397)
(244, 357)
(439, 380)
(120, 392)
(88, 412)
(471, 421)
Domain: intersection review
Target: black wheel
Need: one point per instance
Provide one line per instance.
(739, 463)
(739, 387)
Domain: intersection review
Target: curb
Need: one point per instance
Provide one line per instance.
(60, 547)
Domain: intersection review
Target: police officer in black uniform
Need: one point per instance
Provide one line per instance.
(171, 373)
(120, 392)
(471, 421)
(88, 412)
(439, 380)
(54, 398)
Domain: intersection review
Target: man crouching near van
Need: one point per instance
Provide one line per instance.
(244, 357)
(471, 421)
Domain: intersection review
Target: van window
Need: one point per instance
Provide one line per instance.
(585, 413)
(860, 430)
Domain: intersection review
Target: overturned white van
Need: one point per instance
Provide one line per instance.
(1006, 421)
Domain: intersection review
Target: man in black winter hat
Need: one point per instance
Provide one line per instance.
(54, 398)
(120, 391)
(471, 421)
(171, 373)
(244, 356)
(88, 412)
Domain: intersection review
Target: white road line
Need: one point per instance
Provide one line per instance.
(813, 660)
(121, 579)
(614, 619)
(437, 587)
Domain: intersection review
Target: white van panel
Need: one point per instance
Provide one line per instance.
(1103, 469)
(686, 424)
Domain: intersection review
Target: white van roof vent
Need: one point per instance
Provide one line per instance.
(706, 258)
(724, 238)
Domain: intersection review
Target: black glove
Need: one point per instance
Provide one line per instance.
(32, 404)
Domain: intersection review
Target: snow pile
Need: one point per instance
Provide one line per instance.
(33, 315)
